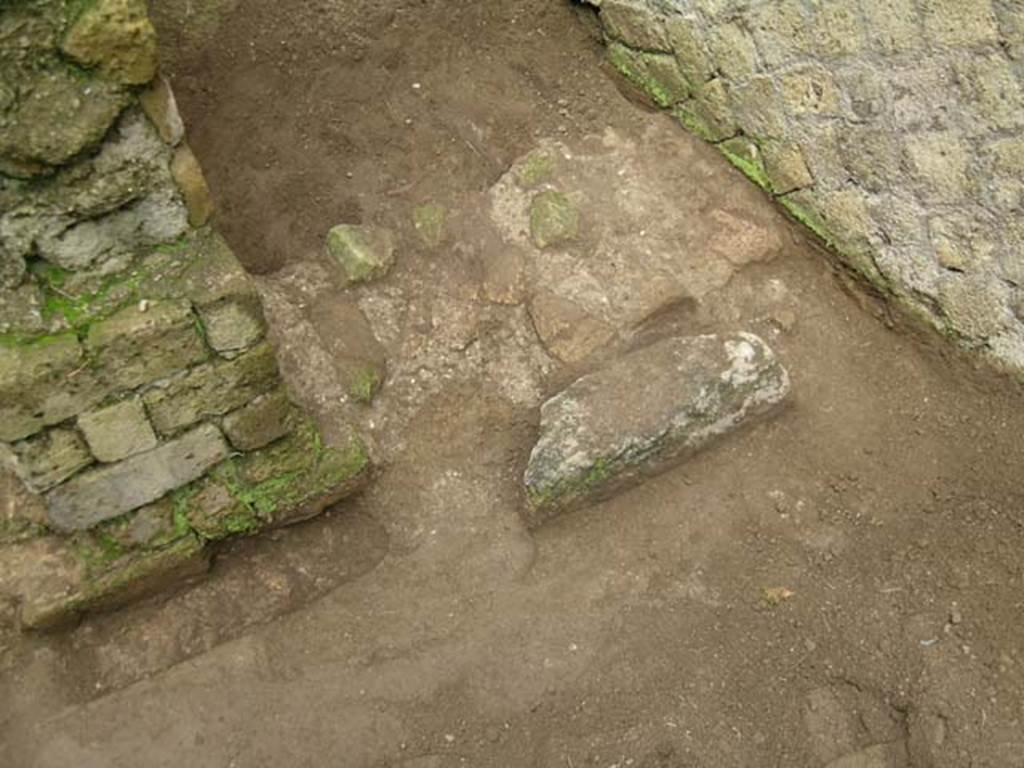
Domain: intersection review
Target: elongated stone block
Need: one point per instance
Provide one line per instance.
(645, 412)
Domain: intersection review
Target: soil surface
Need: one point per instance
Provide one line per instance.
(846, 575)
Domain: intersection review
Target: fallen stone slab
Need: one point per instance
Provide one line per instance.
(643, 413)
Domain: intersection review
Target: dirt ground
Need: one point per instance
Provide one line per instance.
(845, 575)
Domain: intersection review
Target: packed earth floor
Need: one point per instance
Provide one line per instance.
(840, 584)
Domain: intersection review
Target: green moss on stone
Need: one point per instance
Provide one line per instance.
(538, 166)
(745, 155)
(429, 221)
(365, 384)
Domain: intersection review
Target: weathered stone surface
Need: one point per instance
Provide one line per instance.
(363, 252)
(567, 331)
(212, 389)
(65, 116)
(880, 114)
(118, 431)
(131, 578)
(359, 359)
(107, 492)
(188, 175)
(47, 459)
(43, 383)
(634, 24)
(429, 222)
(892, 755)
(161, 108)
(100, 209)
(291, 480)
(260, 422)
(145, 342)
(553, 219)
(684, 392)
(233, 324)
(116, 37)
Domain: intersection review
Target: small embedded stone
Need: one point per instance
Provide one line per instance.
(553, 219)
(233, 325)
(116, 37)
(358, 357)
(430, 224)
(682, 393)
(188, 175)
(363, 252)
(161, 108)
(47, 459)
(567, 331)
(260, 422)
(112, 490)
(118, 431)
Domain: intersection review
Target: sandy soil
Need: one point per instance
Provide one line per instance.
(846, 575)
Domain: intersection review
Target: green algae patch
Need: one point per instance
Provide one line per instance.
(538, 167)
(365, 384)
(745, 155)
(430, 223)
(656, 74)
(553, 219)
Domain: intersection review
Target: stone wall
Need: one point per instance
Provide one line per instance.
(894, 129)
(141, 410)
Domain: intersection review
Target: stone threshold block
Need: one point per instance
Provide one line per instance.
(644, 413)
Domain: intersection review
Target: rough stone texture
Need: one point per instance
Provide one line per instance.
(430, 223)
(232, 325)
(648, 244)
(892, 130)
(211, 389)
(146, 342)
(107, 492)
(683, 392)
(363, 253)
(553, 219)
(358, 357)
(44, 383)
(188, 175)
(118, 431)
(116, 37)
(260, 422)
(47, 459)
(161, 108)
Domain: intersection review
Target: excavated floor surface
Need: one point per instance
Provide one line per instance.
(845, 575)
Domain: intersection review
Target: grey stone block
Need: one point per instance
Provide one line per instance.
(118, 431)
(107, 492)
(681, 393)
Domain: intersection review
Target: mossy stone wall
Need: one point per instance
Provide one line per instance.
(142, 414)
(894, 129)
